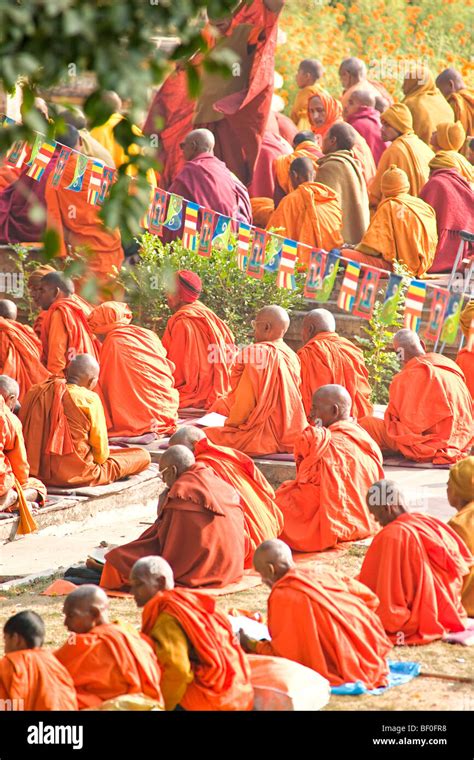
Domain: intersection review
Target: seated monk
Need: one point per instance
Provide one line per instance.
(336, 461)
(353, 76)
(429, 417)
(465, 357)
(406, 151)
(426, 103)
(304, 146)
(66, 433)
(416, 566)
(460, 98)
(64, 328)
(105, 660)
(329, 359)
(447, 140)
(34, 281)
(310, 71)
(15, 481)
(360, 112)
(203, 666)
(262, 518)
(321, 619)
(31, 677)
(20, 350)
(199, 529)
(273, 147)
(136, 382)
(461, 498)
(198, 343)
(403, 229)
(340, 170)
(311, 213)
(264, 407)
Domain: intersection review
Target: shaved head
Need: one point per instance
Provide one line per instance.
(148, 576)
(363, 97)
(303, 137)
(330, 404)
(9, 387)
(52, 286)
(450, 81)
(317, 321)
(341, 136)
(271, 323)
(83, 370)
(85, 608)
(174, 462)
(112, 99)
(272, 560)
(301, 170)
(196, 142)
(351, 71)
(8, 309)
(386, 501)
(407, 344)
(187, 435)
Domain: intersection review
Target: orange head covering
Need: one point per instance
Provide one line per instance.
(467, 319)
(394, 182)
(37, 275)
(399, 117)
(450, 136)
(188, 286)
(108, 316)
(419, 80)
(461, 477)
(332, 107)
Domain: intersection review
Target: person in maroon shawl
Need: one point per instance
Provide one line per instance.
(360, 113)
(273, 146)
(199, 529)
(451, 196)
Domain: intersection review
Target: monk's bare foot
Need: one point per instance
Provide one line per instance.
(8, 500)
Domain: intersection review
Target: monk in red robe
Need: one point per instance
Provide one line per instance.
(199, 518)
(199, 344)
(273, 147)
(105, 660)
(20, 350)
(329, 359)
(360, 113)
(323, 620)
(136, 382)
(429, 417)
(66, 433)
(264, 408)
(65, 331)
(416, 566)
(465, 357)
(203, 666)
(31, 678)
(262, 518)
(336, 461)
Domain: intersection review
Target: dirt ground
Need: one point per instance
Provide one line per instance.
(421, 693)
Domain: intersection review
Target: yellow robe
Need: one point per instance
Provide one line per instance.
(409, 153)
(463, 524)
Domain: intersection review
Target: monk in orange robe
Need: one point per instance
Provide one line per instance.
(460, 98)
(310, 71)
(136, 382)
(199, 529)
(353, 76)
(460, 493)
(304, 145)
(65, 331)
(429, 417)
(465, 357)
(311, 213)
(323, 620)
(264, 407)
(336, 461)
(31, 678)
(203, 665)
(262, 518)
(66, 433)
(34, 281)
(199, 344)
(329, 359)
(20, 350)
(416, 566)
(105, 660)
(426, 103)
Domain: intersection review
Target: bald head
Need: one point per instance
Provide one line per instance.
(407, 345)
(317, 321)
(386, 501)
(196, 142)
(330, 404)
(85, 608)
(52, 286)
(351, 71)
(187, 435)
(174, 462)
(148, 576)
(301, 170)
(381, 103)
(449, 82)
(112, 100)
(10, 390)
(363, 97)
(83, 370)
(8, 309)
(341, 136)
(271, 323)
(303, 137)
(272, 560)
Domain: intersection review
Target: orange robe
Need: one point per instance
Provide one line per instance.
(264, 407)
(416, 566)
(428, 108)
(220, 669)
(63, 441)
(429, 417)
(111, 660)
(262, 518)
(305, 149)
(409, 153)
(35, 677)
(310, 214)
(465, 360)
(325, 504)
(299, 110)
(199, 531)
(328, 359)
(462, 103)
(194, 335)
(66, 333)
(16, 469)
(327, 622)
(20, 352)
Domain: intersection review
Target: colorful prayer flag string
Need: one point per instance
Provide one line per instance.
(190, 226)
(205, 233)
(243, 245)
(315, 274)
(221, 234)
(108, 176)
(95, 182)
(414, 300)
(174, 216)
(451, 320)
(17, 154)
(330, 273)
(439, 302)
(286, 272)
(41, 160)
(79, 173)
(347, 293)
(63, 158)
(367, 293)
(39, 139)
(157, 212)
(257, 254)
(393, 293)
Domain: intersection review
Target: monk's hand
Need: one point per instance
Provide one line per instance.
(318, 422)
(247, 644)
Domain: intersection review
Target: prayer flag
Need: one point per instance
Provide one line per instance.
(205, 233)
(393, 293)
(347, 293)
(286, 272)
(315, 274)
(190, 226)
(439, 302)
(41, 160)
(272, 252)
(6, 121)
(332, 265)
(451, 319)
(414, 301)
(34, 150)
(157, 212)
(108, 176)
(95, 181)
(79, 172)
(17, 154)
(174, 216)
(63, 158)
(367, 294)
(257, 254)
(221, 234)
(243, 245)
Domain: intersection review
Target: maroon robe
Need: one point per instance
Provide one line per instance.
(367, 123)
(16, 202)
(263, 182)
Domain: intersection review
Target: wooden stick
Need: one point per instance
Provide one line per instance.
(444, 677)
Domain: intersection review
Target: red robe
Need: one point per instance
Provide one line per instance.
(263, 182)
(367, 123)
